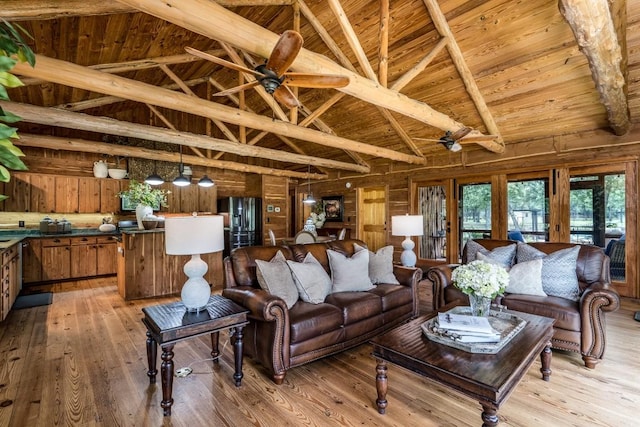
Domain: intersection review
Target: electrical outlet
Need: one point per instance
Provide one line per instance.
(21, 224)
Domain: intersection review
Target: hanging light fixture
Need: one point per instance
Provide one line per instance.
(154, 178)
(309, 200)
(181, 180)
(205, 181)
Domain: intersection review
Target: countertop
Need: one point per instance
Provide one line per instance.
(9, 238)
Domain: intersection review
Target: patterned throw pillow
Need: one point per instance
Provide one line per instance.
(502, 255)
(349, 274)
(526, 278)
(380, 265)
(559, 276)
(312, 281)
(275, 277)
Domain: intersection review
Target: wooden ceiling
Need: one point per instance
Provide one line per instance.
(511, 71)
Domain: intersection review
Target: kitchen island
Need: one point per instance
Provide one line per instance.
(145, 270)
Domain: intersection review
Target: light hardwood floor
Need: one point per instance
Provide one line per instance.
(82, 362)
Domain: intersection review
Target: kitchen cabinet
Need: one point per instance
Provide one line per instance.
(67, 189)
(109, 200)
(31, 261)
(10, 282)
(84, 252)
(106, 255)
(56, 259)
(88, 195)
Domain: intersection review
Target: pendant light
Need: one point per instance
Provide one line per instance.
(309, 200)
(181, 180)
(206, 182)
(154, 178)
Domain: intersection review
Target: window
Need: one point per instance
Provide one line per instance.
(474, 212)
(528, 209)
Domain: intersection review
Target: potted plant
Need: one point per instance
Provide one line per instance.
(145, 198)
(482, 282)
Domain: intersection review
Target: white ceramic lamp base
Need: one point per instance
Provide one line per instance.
(408, 257)
(196, 291)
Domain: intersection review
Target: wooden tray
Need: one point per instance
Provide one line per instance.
(506, 323)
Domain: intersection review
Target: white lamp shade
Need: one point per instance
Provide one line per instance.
(407, 225)
(190, 235)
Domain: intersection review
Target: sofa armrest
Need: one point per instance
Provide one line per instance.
(409, 276)
(262, 305)
(440, 276)
(597, 298)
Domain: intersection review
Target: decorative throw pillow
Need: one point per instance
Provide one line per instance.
(275, 277)
(312, 281)
(349, 274)
(380, 265)
(502, 255)
(558, 270)
(526, 278)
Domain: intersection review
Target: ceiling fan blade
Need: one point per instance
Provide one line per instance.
(284, 52)
(315, 80)
(460, 133)
(219, 61)
(284, 96)
(237, 89)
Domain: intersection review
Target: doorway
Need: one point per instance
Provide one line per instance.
(372, 216)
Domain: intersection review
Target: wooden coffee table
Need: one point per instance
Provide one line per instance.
(487, 378)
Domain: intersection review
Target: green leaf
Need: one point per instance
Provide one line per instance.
(11, 161)
(7, 63)
(7, 132)
(8, 117)
(3, 197)
(6, 144)
(5, 176)
(9, 80)
(3, 93)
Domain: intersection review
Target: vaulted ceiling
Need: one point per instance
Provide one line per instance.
(511, 71)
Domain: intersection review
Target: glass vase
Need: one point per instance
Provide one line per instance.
(480, 306)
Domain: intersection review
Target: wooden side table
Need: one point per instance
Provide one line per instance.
(169, 323)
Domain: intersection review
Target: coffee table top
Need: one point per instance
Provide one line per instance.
(485, 377)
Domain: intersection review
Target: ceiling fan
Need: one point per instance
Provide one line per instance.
(450, 140)
(273, 75)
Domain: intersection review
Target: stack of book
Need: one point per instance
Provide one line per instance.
(468, 329)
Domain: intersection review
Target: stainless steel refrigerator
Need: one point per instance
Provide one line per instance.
(244, 225)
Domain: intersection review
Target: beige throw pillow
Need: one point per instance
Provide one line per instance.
(275, 277)
(349, 274)
(526, 278)
(380, 265)
(312, 281)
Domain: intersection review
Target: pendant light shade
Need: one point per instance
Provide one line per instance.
(154, 179)
(181, 180)
(309, 200)
(205, 181)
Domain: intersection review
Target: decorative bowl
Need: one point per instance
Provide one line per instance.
(117, 173)
(105, 228)
(149, 225)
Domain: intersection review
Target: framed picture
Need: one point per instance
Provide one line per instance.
(333, 207)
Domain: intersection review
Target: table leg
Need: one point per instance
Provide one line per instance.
(237, 353)
(381, 385)
(489, 416)
(545, 358)
(151, 358)
(166, 372)
(214, 346)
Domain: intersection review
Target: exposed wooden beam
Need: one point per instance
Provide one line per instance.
(211, 20)
(420, 66)
(457, 57)
(56, 117)
(171, 126)
(596, 35)
(72, 144)
(20, 10)
(74, 75)
(383, 48)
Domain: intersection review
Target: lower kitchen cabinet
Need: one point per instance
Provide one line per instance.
(106, 255)
(83, 257)
(31, 261)
(56, 259)
(10, 283)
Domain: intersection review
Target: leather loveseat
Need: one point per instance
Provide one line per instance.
(280, 338)
(579, 325)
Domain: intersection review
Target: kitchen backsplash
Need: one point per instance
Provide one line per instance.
(10, 220)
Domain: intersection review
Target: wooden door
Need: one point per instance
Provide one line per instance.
(372, 216)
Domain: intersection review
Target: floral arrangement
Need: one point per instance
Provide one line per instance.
(318, 215)
(140, 193)
(481, 278)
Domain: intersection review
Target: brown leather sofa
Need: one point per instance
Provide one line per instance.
(580, 325)
(280, 338)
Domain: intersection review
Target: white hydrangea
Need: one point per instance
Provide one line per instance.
(481, 278)
(318, 219)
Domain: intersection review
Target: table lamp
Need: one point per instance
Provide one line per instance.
(407, 225)
(194, 235)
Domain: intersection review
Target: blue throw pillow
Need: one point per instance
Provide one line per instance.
(559, 276)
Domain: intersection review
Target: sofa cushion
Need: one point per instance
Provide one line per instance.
(502, 255)
(275, 277)
(355, 306)
(393, 296)
(559, 276)
(381, 265)
(566, 312)
(526, 278)
(349, 274)
(308, 320)
(312, 281)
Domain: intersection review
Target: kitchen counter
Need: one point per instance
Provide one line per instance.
(9, 238)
